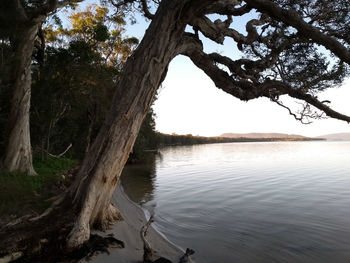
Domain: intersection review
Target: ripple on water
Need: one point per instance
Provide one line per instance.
(255, 202)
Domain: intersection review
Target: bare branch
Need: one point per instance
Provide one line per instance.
(218, 30)
(304, 115)
(126, 6)
(293, 19)
(242, 85)
(49, 7)
(228, 8)
(145, 10)
(298, 94)
(64, 3)
(240, 88)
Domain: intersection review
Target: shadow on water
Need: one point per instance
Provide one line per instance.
(138, 180)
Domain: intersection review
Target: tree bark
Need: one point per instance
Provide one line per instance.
(143, 73)
(18, 151)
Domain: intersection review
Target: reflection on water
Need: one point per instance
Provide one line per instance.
(251, 202)
(138, 180)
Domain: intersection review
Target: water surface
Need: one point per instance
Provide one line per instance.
(250, 202)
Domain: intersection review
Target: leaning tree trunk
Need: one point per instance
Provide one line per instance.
(18, 151)
(143, 73)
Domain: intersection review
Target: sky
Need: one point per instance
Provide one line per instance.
(189, 103)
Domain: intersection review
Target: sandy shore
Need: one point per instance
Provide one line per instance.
(129, 232)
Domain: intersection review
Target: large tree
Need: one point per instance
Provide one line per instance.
(294, 49)
(20, 21)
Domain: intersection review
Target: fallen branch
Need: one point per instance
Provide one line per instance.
(186, 258)
(61, 154)
(147, 250)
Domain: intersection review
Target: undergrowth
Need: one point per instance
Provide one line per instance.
(21, 194)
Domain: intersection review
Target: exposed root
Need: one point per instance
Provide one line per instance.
(79, 234)
(81, 229)
(45, 240)
(108, 218)
(11, 257)
(186, 258)
(113, 214)
(53, 252)
(50, 209)
(17, 221)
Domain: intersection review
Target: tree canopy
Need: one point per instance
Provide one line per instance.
(77, 77)
(288, 48)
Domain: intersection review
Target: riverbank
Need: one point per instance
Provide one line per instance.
(128, 231)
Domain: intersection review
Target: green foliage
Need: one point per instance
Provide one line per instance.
(78, 89)
(101, 32)
(53, 166)
(20, 193)
(77, 81)
(147, 138)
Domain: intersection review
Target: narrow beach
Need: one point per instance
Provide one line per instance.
(128, 231)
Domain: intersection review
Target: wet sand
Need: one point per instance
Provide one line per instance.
(128, 231)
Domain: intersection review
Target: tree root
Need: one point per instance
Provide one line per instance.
(147, 249)
(45, 239)
(186, 258)
(53, 252)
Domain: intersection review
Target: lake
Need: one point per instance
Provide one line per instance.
(250, 202)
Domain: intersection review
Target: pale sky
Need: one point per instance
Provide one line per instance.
(189, 102)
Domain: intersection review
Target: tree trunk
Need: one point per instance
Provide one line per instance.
(143, 73)
(18, 151)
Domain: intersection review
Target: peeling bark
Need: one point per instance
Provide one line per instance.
(20, 24)
(18, 151)
(143, 73)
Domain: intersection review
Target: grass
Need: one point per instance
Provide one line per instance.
(22, 194)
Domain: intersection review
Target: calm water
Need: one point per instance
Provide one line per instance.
(250, 202)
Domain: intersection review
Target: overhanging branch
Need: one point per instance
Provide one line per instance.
(228, 7)
(239, 88)
(145, 10)
(298, 94)
(293, 19)
(218, 30)
(247, 88)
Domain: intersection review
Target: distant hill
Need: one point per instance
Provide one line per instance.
(262, 135)
(336, 137)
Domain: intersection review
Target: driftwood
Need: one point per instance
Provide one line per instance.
(186, 258)
(148, 251)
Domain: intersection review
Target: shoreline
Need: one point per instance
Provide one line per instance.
(128, 231)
